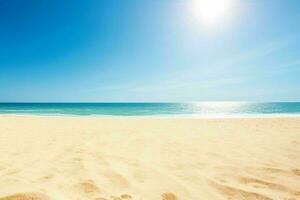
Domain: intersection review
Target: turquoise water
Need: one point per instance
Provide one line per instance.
(152, 109)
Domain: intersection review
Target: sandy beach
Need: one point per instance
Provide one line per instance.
(66, 158)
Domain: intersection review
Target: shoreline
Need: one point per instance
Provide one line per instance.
(179, 116)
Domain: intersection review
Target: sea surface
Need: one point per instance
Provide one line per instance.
(152, 109)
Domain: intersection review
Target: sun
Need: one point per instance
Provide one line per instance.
(212, 12)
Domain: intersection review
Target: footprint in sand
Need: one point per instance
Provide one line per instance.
(88, 187)
(122, 197)
(26, 196)
(168, 196)
(296, 172)
(126, 196)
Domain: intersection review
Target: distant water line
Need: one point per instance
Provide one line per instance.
(153, 109)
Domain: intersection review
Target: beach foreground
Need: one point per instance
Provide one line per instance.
(66, 158)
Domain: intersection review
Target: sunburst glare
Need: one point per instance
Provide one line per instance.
(212, 12)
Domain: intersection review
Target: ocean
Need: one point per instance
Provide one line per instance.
(153, 109)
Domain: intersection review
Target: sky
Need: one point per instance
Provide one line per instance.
(148, 51)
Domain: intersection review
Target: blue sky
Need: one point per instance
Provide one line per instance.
(147, 50)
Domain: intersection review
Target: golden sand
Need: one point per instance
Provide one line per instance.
(64, 158)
